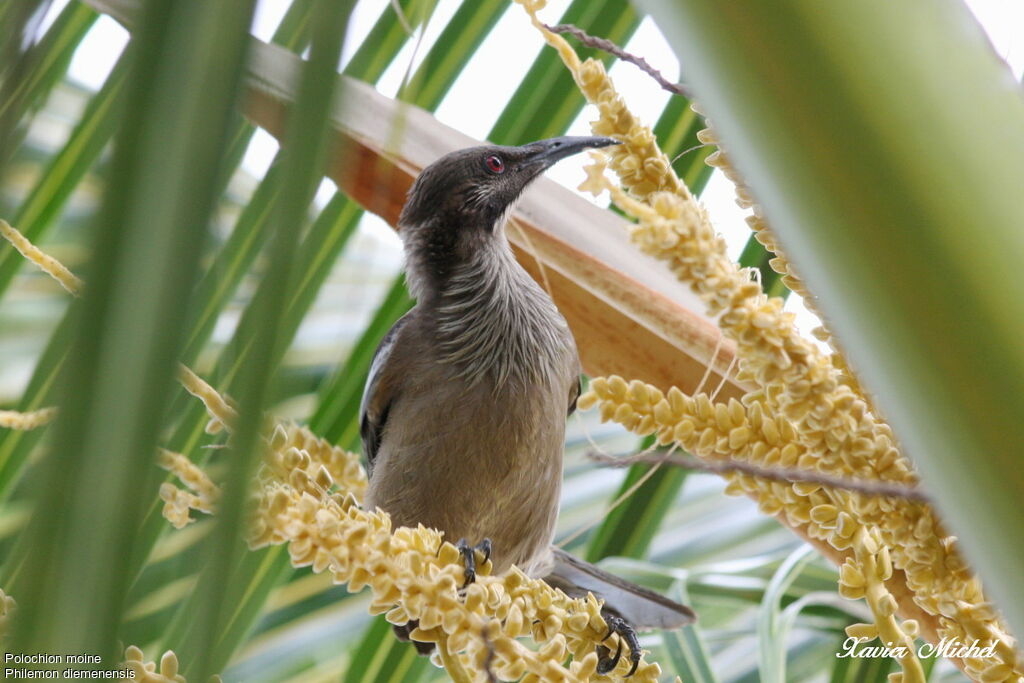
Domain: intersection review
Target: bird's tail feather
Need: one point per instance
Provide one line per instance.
(641, 607)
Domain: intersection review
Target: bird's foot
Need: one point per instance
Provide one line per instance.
(606, 662)
(403, 633)
(469, 556)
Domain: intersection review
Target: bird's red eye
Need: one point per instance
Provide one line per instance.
(494, 164)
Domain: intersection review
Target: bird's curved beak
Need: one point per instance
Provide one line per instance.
(544, 153)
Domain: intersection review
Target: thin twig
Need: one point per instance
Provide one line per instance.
(608, 46)
(781, 474)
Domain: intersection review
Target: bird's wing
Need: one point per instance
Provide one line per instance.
(574, 394)
(378, 393)
(640, 607)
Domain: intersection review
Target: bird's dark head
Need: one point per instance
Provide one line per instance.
(452, 217)
(473, 188)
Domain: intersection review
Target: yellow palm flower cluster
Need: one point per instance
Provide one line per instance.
(13, 419)
(202, 493)
(805, 410)
(143, 670)
(745, 199)
(640, 163)
(292, 453)
(47, 263)
(830, 422)
(779, 262)
(149, 672)
(865, 577)
(742, 431)
(311, 464)
(414, 574)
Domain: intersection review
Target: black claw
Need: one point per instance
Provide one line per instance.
(606, 664)
(469, 556)
(626, 633)
(634, 656)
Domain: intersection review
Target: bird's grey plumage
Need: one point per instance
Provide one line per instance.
(460, 443)
(463, 416)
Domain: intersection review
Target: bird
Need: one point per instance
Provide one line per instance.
(463, 413)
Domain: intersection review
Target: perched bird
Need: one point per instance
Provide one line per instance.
(463, 415)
